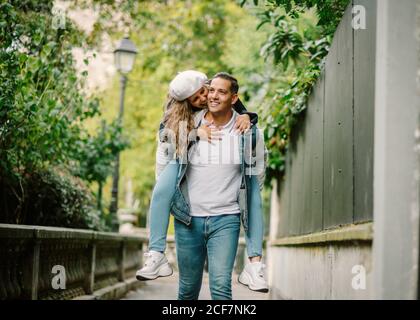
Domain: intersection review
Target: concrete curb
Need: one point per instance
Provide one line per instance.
(114, 292)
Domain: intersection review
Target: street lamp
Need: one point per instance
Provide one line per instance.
(124, 56)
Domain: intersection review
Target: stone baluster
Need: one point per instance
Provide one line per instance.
(3, 272)
(14, 276)
(91, 268)
(31, 281)
(121, 261)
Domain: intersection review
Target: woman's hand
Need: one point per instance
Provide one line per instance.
(243, 123)
(208, 133)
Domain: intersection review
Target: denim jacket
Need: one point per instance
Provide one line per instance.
(253, 155)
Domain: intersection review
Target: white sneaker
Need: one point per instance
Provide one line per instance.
(253, 277)
(156, 265)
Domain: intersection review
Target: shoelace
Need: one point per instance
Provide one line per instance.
(149, 257)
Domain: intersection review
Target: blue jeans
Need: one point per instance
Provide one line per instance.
(160, 211)
(255, 235)
(214, 237)
(159, 206)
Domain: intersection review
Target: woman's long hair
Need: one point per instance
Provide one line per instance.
(178, 121)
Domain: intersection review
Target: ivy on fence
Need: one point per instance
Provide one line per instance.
(298, 49)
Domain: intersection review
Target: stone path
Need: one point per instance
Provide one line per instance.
(167, 289)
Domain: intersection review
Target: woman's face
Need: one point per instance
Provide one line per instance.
(199, 99)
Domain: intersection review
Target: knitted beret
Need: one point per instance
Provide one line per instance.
(186, 83)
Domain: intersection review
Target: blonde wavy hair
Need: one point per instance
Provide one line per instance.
(178, 119)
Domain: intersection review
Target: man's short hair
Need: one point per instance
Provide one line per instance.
(234, 86)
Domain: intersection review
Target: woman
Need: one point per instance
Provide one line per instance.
(187, 94)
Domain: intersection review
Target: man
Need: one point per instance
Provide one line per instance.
(212, 196)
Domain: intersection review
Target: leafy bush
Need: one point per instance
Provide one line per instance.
(59, 199)
(43, 106)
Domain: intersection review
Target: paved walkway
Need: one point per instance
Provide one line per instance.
(167, 289)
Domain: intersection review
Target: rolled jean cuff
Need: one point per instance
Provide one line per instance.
(253, 252)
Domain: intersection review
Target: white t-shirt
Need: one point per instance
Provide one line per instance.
(214, 174)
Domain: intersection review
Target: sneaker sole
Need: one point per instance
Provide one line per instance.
(159, 275)
(264, 290)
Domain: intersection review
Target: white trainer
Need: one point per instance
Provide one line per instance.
(155, 266)
(253, 276)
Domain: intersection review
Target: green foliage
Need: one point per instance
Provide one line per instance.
(42, 101)
(298, 46)
(61, 200)
(285, 45)
(329, 11)
(96, 154)
(43, 106)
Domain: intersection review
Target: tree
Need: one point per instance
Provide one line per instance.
(43, 106)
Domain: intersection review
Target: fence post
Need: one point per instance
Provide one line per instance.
(396, 224)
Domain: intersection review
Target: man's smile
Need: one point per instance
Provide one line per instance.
(214, 104)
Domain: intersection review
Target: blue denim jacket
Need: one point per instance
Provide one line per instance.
(180, 206)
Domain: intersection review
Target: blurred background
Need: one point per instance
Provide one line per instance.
(65, 91)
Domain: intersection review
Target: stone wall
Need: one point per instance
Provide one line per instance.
(58, 263)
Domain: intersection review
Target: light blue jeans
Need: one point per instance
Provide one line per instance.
(160, 205)
(214, 237)
(160, 211)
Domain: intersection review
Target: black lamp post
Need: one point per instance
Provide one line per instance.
(124, 56)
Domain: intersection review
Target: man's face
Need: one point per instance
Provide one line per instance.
(199, 99)
(220, 97)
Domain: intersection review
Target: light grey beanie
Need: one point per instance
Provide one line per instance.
(186, 83)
